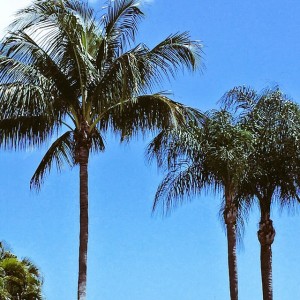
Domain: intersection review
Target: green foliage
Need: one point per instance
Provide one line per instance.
(66, 72)
(19, 279)
(62, 68)
(210, 154)
(274, 121)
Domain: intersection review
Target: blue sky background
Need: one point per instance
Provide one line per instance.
(133, 255)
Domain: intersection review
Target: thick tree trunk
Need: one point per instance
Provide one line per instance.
(230, 220)
(266, 234)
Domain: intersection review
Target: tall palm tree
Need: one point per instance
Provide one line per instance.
(210, 155)
(274, 165)
(63, 70)
(19, 279)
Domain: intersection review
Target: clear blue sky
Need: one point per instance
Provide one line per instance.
(132, 255)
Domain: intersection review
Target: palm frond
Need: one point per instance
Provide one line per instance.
(60, 30)
(273, 164)
(174, 53)
(148, 112)
(172, 144)
(23, 55)
(24, 132)
(179, 185)
(97, 141)
(119, 29)
(240, 97)
(127, 76)
(60, 152)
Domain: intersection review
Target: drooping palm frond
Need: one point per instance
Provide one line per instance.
(60, 152)
(24, 132)
(174, 144)
(147, 112)
(97, 141)
(27, 100)
(181, 183)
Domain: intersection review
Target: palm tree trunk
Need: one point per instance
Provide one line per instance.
(230, 220)
(266, 234)
(83, 236)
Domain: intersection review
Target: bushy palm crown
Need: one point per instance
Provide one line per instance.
(274, 121)
(212, 154)
(60, 66)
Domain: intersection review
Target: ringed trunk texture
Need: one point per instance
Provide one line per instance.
(84, 231)
(266, 234)
(230, 220)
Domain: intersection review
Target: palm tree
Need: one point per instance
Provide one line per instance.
(210, 155)
(63, 70)
(19, 279)
(273, 168)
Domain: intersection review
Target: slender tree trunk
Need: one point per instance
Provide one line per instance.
(82, 157)
(266, 234)
(230, 220)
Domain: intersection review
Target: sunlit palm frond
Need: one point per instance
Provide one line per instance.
(140, 69)
(119, 29)
(174, 53)
(60, 152)
(58, 29)
(127, 76)
(19, 279)
(19, 99)
(12, 70)
(29, 62)
(83, 10)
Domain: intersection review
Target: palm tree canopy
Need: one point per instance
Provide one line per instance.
(212, 154)
(274, 121)
(62, 69)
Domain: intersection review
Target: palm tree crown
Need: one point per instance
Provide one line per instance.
(63, 70)
(61, 66)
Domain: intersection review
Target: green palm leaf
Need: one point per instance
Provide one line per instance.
(147, 112)
(24, 132)
(60, 152)
(119, 28)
